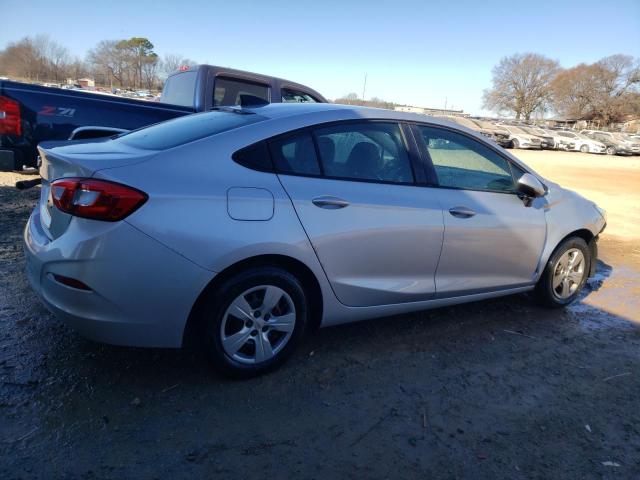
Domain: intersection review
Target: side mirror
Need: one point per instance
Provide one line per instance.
(530, 186)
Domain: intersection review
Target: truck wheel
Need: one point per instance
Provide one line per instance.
(565, 274)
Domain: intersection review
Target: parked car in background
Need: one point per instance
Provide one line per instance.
(619, 141)
(299, 215)
(31, 114)
(548, 141)
(518, 138)
(613, 146)
(559, 142)
(500, 137)
(582, 143)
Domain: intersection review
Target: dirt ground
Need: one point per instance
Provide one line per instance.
(495, 389)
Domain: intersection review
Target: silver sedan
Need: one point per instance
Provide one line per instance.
(246, 228)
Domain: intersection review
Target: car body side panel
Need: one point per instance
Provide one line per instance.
(190, 213)
(382, 248)
(498, 247)
(567, 212)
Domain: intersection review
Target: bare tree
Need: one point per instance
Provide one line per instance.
(607, 89)
(172, 62)
(521, 85)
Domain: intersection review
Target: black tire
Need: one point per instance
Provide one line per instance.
(544, 291)
(584, 148)
(611, 151)
(515, 143)
(216, 304)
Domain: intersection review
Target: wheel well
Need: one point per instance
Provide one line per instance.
(588, 237)
(295, 267)
(583, 233)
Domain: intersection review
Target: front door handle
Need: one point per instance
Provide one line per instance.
(329, 202)
(462, 212)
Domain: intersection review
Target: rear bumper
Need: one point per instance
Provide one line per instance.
(141, 292)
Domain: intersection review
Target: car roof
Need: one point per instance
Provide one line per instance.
(284, 110)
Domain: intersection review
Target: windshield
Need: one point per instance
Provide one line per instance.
(187, 129)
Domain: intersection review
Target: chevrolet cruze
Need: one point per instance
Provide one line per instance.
(246, 228)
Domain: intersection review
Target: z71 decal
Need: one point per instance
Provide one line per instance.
(57, 111)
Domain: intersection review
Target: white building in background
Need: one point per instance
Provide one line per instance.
(435, 112)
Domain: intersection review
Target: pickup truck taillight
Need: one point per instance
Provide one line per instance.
(96, 199)
(10, 121)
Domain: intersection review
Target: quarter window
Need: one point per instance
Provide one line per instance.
(295, 155)
(461, 162)
(365, 151)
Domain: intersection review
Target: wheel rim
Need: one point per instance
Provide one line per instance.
(610, 151)
(568, 273)
(584, 149)
(258, 324)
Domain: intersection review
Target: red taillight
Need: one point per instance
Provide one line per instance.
(10, 120)
(96, 199)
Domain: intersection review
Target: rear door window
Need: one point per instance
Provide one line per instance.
(372, 151)
(233, 91)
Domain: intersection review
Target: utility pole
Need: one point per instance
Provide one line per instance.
(445, 104)
(364, 87)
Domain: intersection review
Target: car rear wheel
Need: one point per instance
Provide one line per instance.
(254, 321)
(611, 151)
(565, 274)
(584, 148)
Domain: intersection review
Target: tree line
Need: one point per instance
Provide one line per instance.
(528, 83)
(126, 63)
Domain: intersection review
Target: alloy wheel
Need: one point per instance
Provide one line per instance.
(568, 273)
(258, 324)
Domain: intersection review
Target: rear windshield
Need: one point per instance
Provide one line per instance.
(179, 89)
(187, 129)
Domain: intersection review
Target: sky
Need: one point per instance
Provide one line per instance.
(423, 53)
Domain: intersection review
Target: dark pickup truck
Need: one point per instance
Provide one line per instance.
(30, 114)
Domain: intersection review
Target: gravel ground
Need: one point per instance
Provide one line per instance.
(495, 389)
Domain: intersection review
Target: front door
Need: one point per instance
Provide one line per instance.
(492, 240)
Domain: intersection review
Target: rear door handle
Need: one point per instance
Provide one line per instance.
(329, 202)
(462, 212)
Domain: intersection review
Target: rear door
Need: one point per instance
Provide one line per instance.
(491, 240)
(377, 234)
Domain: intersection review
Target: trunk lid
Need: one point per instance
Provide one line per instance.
(77, 159)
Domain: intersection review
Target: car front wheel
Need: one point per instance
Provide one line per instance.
(565, 274)
(584, 148)
(254, 321)
(611, 151)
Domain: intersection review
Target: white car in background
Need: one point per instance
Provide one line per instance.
(552, 138)
(521, 139)
(583, 143)
(626, 141)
